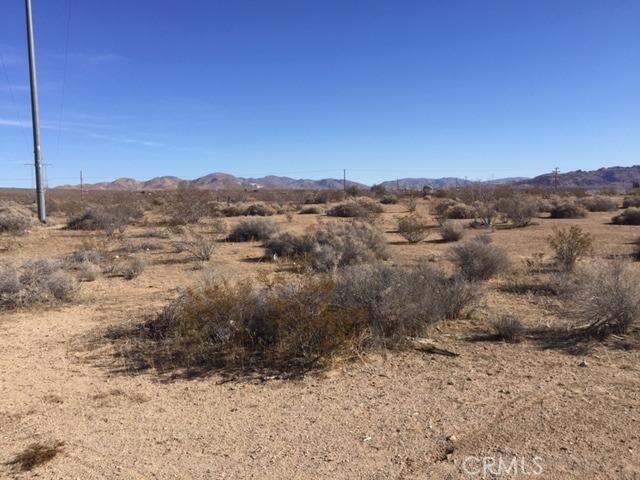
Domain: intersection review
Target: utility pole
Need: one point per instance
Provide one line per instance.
(35, 117)
(397, 185)
(555, 177)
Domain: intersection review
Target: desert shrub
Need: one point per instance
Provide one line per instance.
(341, 244)
(199, 245)
(259, 209)
(129, 268)
(630, 216)
(296, 324)
(36, 282)
(311, 210)
(84, 255)
(187, 205)
(289, 245)
(599, 204)
(116, 218)
(87, 271)
(389, 199)
(568, 209)
(413, 228)
(359, 207)
(411, 204)
(508, 328)
(449, 209)
(331, 245)
(156, 233)
(484, 214)
(606, 296)
(570, 244)
(450, 231)
(478, 259)
(631, 202)
(402, 302)
(14, 218)
(518, 210)
(253, 229)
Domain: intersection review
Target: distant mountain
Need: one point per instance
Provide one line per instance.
(603, 177)
(219, 181)
(445, 182)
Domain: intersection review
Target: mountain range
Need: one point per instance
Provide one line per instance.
(603, 177)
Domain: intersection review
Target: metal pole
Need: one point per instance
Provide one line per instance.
(35, 116)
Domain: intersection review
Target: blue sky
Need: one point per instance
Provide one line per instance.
(384, 89)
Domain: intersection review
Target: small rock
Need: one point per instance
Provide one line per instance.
(583, 363)
(452, 438)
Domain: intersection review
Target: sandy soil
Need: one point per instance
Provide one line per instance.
(389, 415)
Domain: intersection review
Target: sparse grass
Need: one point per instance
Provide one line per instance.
(478, 259)
(570, 245)
(253, 229)
(630, 216)
(413, 228)
(508, 328)
(36, 454)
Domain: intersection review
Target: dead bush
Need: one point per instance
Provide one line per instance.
(359, 207)
(35, 282)
(253, 229)
(450, 231)
(297, 324)
(389, 199)
(87, 272)
(478, 259)
(449, 209)
(187, 205)
(484, 214)
(411, 203)
(568, 209)
(518, 210)
(14, 218)
(84, 255)
(570, 244)
(311, 210)
(631, 202)
(129, 268)
(413, 228)
(332, 245)
(606, 296)
(508, 328)
(114, 219)
(630, 216)
(599, 204)
(199, 245)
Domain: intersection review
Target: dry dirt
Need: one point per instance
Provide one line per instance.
(388, 415)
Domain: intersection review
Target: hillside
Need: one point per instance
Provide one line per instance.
(603, 177)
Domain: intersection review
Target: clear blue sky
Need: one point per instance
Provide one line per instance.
(385, 89)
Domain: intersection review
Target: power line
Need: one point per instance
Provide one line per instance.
(13, 96)
(64, 76)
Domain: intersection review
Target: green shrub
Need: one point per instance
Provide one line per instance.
(253, 229)
(599, 204)
(359, 207)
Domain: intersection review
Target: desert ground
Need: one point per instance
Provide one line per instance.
(561, 410)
